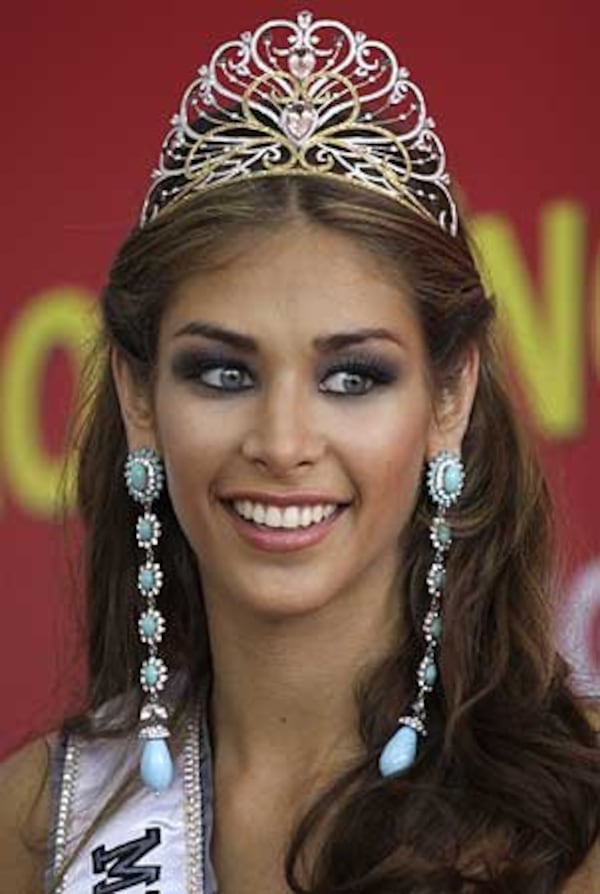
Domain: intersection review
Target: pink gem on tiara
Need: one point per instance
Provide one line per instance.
(299, 121)
(305, 96)
(302, 64)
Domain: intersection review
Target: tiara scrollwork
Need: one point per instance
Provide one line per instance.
(305, 97)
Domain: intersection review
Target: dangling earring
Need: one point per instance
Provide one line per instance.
(445, 480)
(144, 478)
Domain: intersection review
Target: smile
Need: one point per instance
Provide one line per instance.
(283, 528)
(288, 517)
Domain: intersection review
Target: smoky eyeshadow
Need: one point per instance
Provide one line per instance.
(190, 364)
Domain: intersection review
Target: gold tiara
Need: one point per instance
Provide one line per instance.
(305, 97)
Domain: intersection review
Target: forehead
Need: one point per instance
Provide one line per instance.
(304, 279)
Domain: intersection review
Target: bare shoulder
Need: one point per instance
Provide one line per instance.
(25, 816)
(586, 880)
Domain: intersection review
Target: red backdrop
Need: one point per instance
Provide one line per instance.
(87, 93)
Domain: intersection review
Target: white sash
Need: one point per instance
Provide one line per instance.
(153, 844)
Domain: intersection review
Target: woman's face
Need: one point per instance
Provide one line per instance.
(293, 378)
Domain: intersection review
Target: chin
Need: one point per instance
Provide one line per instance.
(290, 605)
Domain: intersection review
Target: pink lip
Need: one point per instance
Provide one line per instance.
(282, 539)
(300, 498)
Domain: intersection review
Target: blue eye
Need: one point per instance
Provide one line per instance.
(357, 376)
(348, 382)
(213, 372)
(226, 378)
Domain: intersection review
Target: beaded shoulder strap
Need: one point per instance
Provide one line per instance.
(152, 841)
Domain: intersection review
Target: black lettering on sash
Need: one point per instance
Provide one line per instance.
(120, 867)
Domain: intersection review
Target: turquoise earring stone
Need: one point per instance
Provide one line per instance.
(145, 530)
(438, 578)
(452, 479)
(157, 765)
(146, 579)
(149, 625)
(444, 534)
(139, 476)
(431, 674)
(400, 752)
(151, 675)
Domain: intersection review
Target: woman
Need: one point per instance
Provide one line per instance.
(331, 555)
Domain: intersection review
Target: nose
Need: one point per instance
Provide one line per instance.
(284, 433)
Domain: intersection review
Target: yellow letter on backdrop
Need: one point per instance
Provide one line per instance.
(544, 333)
(61, 317)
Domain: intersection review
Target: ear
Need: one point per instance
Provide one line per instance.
(135, 404)
(452, 410)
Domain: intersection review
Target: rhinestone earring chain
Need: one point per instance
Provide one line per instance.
(445, 481)
(144, 478)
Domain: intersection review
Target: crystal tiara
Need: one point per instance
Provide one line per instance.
(305, 97)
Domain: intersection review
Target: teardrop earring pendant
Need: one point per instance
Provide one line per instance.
(445, 480)
(144, 478)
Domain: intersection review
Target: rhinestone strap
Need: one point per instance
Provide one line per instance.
(64, 809)
(194, 804)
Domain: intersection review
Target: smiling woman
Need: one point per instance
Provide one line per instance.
(341, 609)
(287, 411)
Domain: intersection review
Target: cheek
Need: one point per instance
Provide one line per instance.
(193, 451)
(388, 464)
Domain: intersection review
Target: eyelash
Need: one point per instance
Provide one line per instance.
(193, 367)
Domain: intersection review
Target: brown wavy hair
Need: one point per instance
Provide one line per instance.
(505, 793)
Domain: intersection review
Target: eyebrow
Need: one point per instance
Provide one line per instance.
(337, 341)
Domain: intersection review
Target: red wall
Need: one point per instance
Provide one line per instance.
(86, 96)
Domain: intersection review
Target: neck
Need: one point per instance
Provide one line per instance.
(283, 693)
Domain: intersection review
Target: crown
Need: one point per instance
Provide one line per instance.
(305, 97)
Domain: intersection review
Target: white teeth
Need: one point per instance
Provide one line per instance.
(288, 517)
(273, 517)
(305, 516)
(291, 517)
